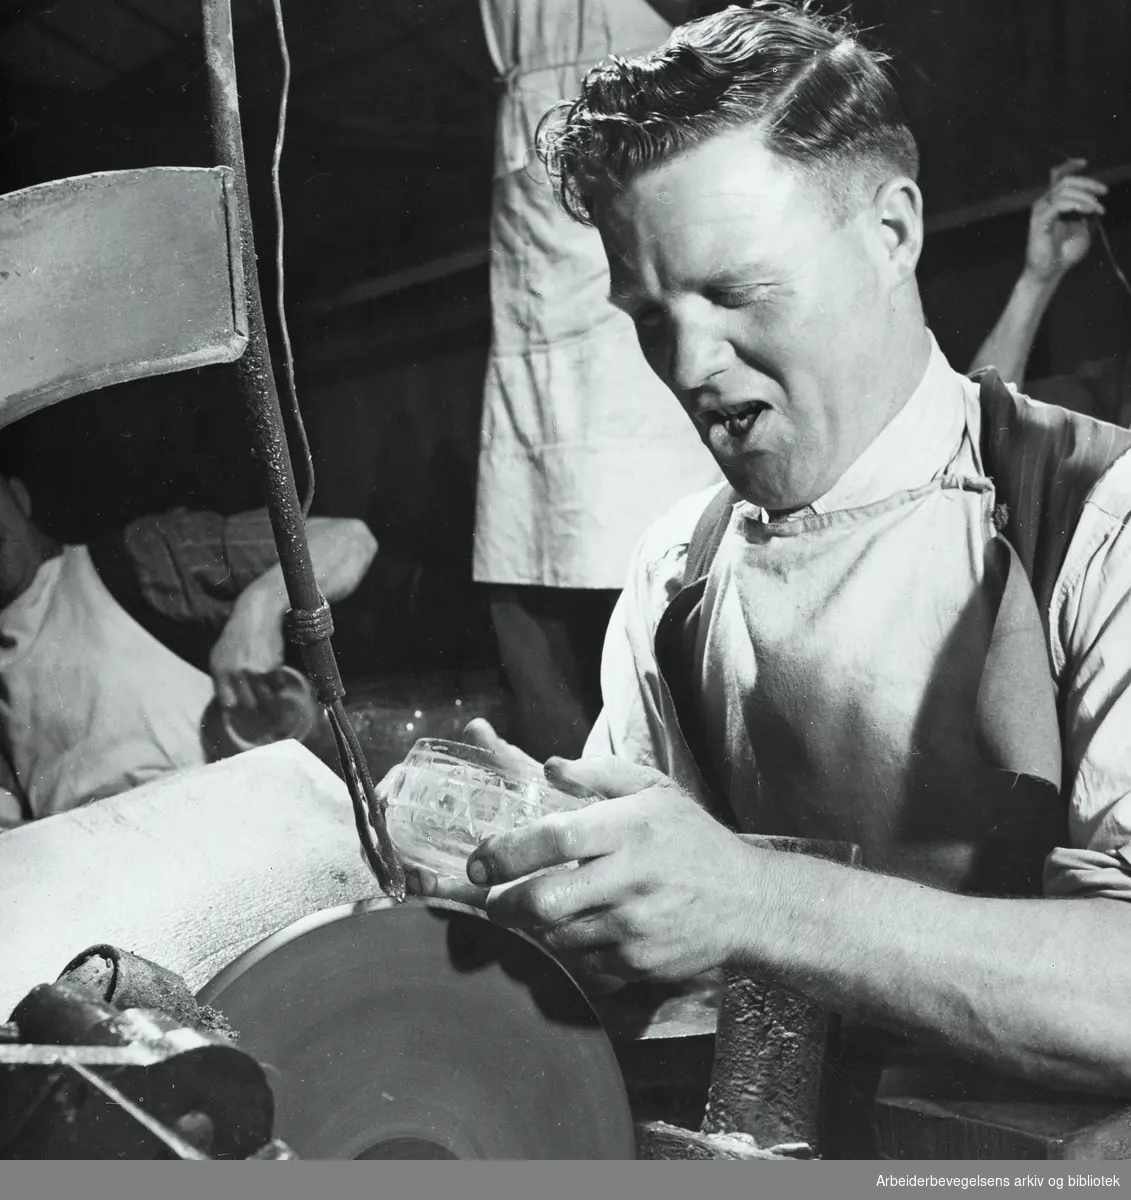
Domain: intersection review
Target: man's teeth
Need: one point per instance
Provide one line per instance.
(739, 423)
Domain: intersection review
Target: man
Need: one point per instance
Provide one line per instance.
(907, 627)
(110, 654)
(1060, 236)
(581, 449)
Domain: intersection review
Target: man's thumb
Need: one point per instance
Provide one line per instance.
(225, 692)
(479, 732)
(600, 776)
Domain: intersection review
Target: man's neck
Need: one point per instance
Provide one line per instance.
(907, 367)
(906, 359)
(908, 362)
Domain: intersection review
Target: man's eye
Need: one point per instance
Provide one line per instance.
(648, 318)
(740, 297)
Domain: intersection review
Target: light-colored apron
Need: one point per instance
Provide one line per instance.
(581, 445)
(92, 704)
(847, 694)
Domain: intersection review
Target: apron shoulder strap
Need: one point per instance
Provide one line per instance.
(1045, 462)
(708, 534)
(675, 638)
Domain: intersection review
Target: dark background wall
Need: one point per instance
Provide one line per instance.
(998, 92)
(387, 167)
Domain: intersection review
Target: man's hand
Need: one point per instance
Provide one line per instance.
(1060, 236)
(252, 642)
(481, 733)
(423, 882)
(663, 891)
(250, 647)
(1059, 232)
(11, 811)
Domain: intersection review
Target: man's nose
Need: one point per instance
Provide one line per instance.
(696, 354)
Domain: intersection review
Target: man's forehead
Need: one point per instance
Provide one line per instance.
(706, 193)
(731, 169)
(685, 218)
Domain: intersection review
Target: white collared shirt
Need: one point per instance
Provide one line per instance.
(1089, 622)
(90, 702)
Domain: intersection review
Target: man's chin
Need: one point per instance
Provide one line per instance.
(757, 490)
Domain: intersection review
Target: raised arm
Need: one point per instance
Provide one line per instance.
(252, 642)
(1059, 238)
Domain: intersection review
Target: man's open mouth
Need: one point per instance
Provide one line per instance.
(738, 421)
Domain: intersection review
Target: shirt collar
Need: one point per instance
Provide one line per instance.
(915, 446)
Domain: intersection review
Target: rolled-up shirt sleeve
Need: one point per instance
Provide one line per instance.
(178, 574)
(630, 724)
(1091, 617)
(192, 566)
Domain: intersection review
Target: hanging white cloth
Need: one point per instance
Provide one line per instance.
(582, 447)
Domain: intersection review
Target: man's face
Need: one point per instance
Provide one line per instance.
(765, 314)
(19, 542)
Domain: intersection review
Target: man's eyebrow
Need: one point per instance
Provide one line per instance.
(741, 273)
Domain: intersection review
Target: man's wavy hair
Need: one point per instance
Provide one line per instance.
(820, 99)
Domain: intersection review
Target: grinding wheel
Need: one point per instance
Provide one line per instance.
(422, 1031)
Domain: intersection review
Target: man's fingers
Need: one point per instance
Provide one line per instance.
(594, 984)
(481, 733)
(550, 841)
(264, 688)
(576, 936)
(593, 970)
(1076, 193)
(249, 694)
(1070, 167)
(240, 683)
(225, 692)
(1081, 183)
(608, 966)
(566, 905)
(420, 881)
(1076, 200)
(1068, 204)
(601, 776)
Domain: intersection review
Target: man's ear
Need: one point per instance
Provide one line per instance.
(898, 206)
(21, 496)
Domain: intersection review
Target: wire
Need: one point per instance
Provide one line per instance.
(1111, 257)
(280, 306)
(368, 809)
(1098, 225)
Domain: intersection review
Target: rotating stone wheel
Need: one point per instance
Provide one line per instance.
(422, 1031)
